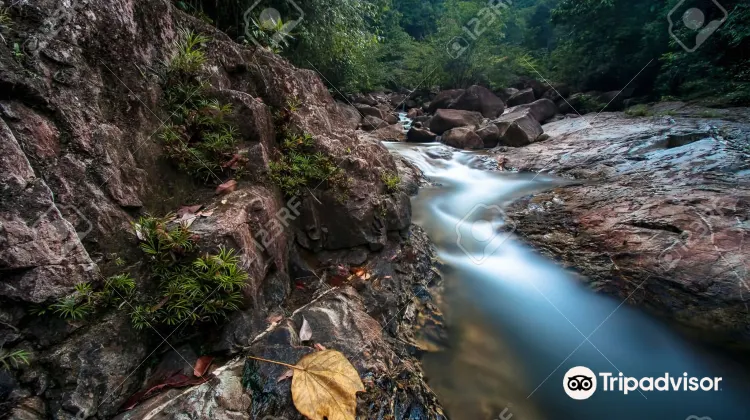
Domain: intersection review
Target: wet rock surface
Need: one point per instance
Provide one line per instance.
(657, 211)
(381, 324)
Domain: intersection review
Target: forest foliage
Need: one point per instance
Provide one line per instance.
(590, 45)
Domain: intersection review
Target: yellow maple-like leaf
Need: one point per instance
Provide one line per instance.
(324, 386)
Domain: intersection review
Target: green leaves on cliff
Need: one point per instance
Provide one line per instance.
(198, 138)
(189, 56)
(297, 166)
(184, 287)
(13, 358)
(84, 301)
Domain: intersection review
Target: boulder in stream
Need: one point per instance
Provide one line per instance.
(479, 99)
(462, 138)
(445, 119)
(420, 135)
(525, 96)
(518, 129)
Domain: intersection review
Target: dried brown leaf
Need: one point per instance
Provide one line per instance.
(226, 187)
(202, 365)
(324, 386)
(188, 210)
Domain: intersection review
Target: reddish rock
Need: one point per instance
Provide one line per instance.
(518, 129)
(525, 96)
(445, 119)
(444, 100)
(666, 214)
(490, 135)
(462, 138)
(420, 135)
(479, 99)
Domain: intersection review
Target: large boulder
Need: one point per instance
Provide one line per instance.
(444, 99)
(539, 88)
(349, 115)
(557, 92)
(462, 138)
(391, 132)
(542, 110)
(490, 135)
(506, 93)
(364, 99)
(414, 113)
(370, 123)
(445, 119)
(521, 97)
(420, 135)
(518, 129)
(391, 118)
(480, 99)
(614, 100)
(366, 110)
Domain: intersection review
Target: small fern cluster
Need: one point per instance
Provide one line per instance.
(391, 180)
(12, 359)
(297, 166)
(189, 57)
(198, 137)
(84, 301)
(271, 34)
(204, 288)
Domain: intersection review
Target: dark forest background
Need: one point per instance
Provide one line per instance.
(588, 45)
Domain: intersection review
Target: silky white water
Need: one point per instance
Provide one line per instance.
(518, 321)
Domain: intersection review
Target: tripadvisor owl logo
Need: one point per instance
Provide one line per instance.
(579, 383)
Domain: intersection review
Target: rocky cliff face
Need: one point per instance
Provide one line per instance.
(81, 106)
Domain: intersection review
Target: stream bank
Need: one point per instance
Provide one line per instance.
(517, 320)
(657, 212)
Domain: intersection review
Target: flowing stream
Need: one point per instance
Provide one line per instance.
(517, 321)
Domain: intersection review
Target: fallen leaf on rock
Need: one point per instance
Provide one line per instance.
(202, 365)
(206, 213)
(187, 219)
(305, 333)
(286, 375)
(324, 386)
(226, 187)
(232, 162)
(188, 210)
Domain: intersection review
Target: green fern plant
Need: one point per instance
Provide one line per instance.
(78, 305)
(297, 166)
(271, 34)
(84, 301)
(189, 56)
(13, 359)
(190, 289)
(391, 180)
(198, 138)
